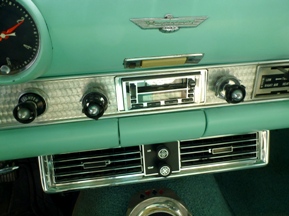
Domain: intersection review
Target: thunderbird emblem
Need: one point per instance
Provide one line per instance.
(169, 23)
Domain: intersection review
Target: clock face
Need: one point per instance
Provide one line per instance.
(19, 38)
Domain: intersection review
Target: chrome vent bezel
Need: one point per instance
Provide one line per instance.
(218, 145)
(98, 164)
(218, 150)
(77, 169)
(260, 159)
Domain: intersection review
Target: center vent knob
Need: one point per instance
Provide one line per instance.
(164, 169)
(230, 89)
(162, 152)
(94, 103)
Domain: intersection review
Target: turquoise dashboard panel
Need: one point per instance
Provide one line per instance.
(96, 36)
(247, 118)
(161, 128)
(93, 37)
(60, 138)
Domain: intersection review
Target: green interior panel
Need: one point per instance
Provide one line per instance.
(60, 138)
(161, 128)
(238, 119)
(96, 36)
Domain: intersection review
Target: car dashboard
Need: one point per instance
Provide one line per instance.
(109, 93)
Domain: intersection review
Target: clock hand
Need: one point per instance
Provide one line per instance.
(2, 35)
(6, 36)
(12, 29)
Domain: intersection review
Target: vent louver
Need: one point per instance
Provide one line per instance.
(218, 150)
(96, 164)
(117, 166)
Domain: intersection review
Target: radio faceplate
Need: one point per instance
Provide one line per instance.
(161, 90)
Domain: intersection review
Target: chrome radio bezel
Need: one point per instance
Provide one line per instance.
(199, 76)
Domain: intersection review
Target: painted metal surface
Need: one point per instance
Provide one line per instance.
(96, 36)
(51, 139)
(247, 118)
(215, 117)
(161, 128)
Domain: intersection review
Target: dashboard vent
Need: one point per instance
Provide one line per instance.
(98, 164)
(118, 166)
(219, 150)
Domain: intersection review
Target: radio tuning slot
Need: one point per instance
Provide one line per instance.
(161, 91)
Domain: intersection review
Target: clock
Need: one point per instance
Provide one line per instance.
(25, 47)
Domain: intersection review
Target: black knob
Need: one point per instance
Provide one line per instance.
(164, 169)
(230, 89)
(30, 105)
(235, 93)
(25, 112)
(94, 104)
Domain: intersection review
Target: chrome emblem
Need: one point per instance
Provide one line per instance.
(169, 23)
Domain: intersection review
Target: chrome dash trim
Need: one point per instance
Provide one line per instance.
(188, 59)
(65, 93)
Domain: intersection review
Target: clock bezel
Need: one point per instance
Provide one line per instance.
(43, 58)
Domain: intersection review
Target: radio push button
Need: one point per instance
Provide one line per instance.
(94, 103)
(31, 104)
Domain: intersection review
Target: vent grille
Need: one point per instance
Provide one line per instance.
(97, 164)
(219, 149)
(125, 165)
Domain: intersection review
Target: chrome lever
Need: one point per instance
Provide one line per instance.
(6, 170)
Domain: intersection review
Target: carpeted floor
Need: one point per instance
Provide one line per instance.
(262, 191)
(200, 194)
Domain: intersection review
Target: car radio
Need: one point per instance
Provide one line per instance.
(161, 90)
